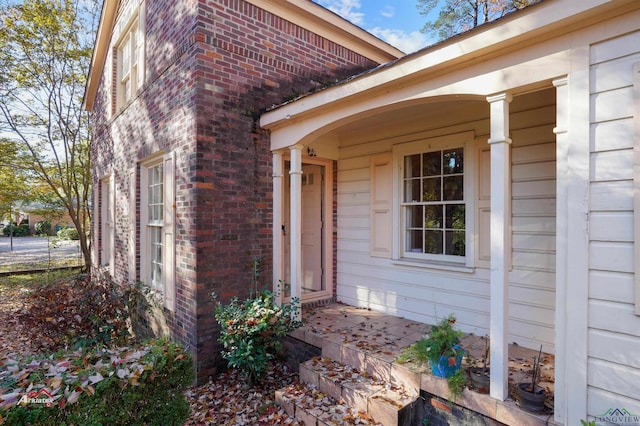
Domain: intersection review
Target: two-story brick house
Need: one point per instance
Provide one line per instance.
(182, 171)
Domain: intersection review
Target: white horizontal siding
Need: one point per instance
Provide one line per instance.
(614, 330)
(426, 294)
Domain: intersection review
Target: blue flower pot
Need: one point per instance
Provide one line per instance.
(446, 368)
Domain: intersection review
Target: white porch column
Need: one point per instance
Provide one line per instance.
(295, 231)
(278, 247)
(562, 196)
(500, 242)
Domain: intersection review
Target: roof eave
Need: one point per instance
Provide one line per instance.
(103, 36)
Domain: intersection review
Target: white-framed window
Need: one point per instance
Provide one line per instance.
(128, 54)
(155, 208)
(434, 195)
(107, 213)
(157, 248)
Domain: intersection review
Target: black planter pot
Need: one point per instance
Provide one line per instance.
(531, 401)
(479, 379)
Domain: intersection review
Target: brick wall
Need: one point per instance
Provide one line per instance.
(211, 72)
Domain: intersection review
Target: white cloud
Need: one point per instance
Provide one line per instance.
(407, 42)
(388, 12)
(348, 9)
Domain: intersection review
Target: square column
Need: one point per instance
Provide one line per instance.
(278, 238)
(295, 231)
(500, 243)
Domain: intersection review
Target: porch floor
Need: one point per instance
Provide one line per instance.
(374, 341)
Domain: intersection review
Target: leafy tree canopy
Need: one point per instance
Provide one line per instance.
(45, 52)
(457, 16)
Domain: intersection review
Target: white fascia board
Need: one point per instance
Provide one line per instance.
(547, 19)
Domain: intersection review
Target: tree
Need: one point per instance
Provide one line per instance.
(45, 53)
(456, 16)
(13, 182)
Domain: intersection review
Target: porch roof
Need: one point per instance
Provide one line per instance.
(501, 56)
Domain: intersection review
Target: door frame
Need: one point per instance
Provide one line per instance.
(327, 233)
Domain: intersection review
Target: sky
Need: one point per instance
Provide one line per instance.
(398, 22)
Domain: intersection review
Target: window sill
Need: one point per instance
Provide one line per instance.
(443, 266)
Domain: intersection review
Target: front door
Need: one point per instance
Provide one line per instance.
(313, 249)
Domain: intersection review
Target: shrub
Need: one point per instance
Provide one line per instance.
(251, 331)
(80, 312)
(43, 227)
(141, 385)
(68, 234)
(21, 230)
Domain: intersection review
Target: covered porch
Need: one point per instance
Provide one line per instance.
(496, 127)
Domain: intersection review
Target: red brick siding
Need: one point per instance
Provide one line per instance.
(211, 72)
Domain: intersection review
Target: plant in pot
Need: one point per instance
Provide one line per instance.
(530, 395)
(481, 376)
(441, 349)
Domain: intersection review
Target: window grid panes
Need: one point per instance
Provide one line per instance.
(155, 209)
(433, 203)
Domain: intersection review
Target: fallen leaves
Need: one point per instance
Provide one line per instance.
(231, 399)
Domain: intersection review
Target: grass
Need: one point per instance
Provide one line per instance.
(28, 281)
(55, 263)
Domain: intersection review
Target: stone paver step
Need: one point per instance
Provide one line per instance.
(307, 404)
(384, 402)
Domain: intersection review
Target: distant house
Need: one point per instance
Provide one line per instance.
(495, 176)
(182, 171)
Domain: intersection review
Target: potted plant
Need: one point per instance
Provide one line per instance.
(442, 348)
(481, 376)
(530, 395)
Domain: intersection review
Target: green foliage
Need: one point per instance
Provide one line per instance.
(21, 230)
(68, 234)
(43, 227)
(587, 423)
(45, 54)
(141, 385)
(457, 16)
(456, 384)
(251, 331)
(441, 341)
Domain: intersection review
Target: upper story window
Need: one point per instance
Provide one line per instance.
(435, 200)
(128, 55)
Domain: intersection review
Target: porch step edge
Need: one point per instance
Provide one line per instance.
(307, 404)
(384, 402)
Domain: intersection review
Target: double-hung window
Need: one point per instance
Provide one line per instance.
(128, 54)
(157, 242)
(154, 225)
(433, 200)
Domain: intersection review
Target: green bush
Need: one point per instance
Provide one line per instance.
(68, 234)
(141, 385)
(18, 231)
(251, 331)
(43, 227)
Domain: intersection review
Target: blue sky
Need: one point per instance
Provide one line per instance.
(397, 22)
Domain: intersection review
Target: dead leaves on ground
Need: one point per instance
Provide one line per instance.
(232, 400)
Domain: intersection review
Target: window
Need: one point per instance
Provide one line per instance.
(128, 54)
(154, 224)
(107, 222)
(433, 204)
(434, 196)
(157, 247)
(128, 65)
